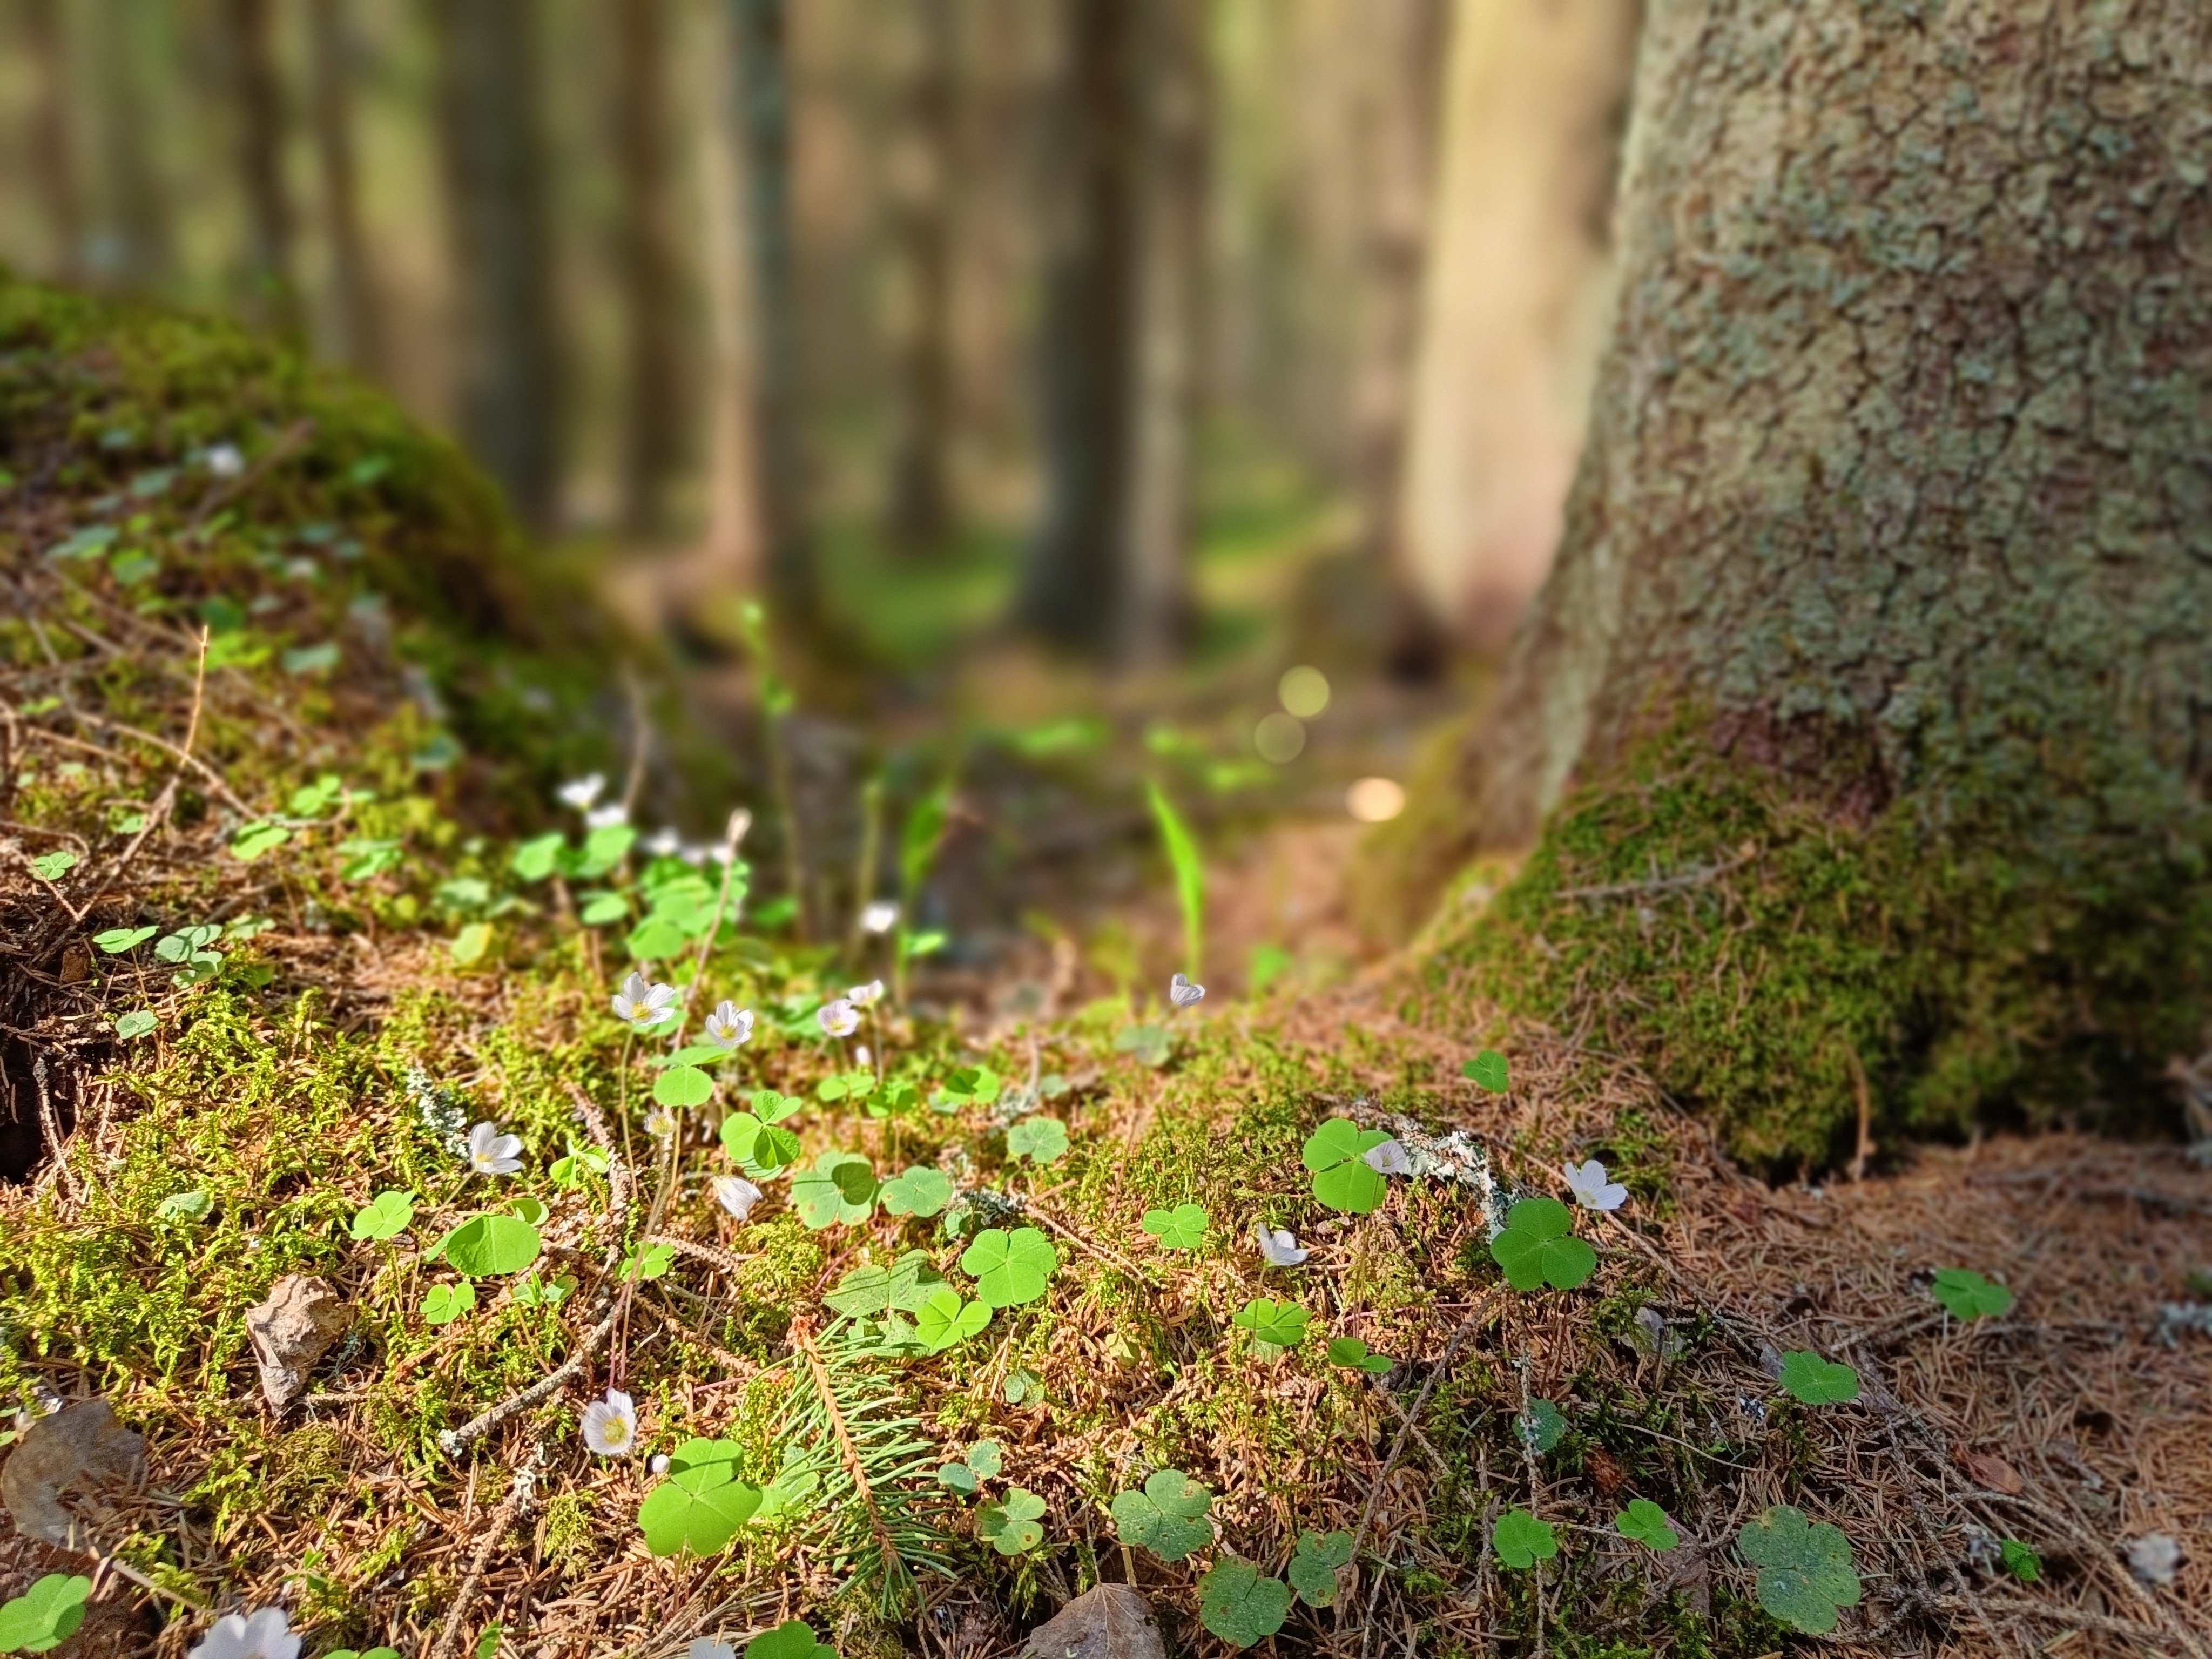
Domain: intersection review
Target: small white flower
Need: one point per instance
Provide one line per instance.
(735, 1195)
(2154, 1557)
(838, 1019)
(611, 1424)
(660, 1123)
(582, 793)
(663, 843)
(263, 1634)
(1182, 993)
(729, 1025)
(225, 462)
(865, 996)
(493, 1153)
(879, 917)
(696, 853)
(643, 1003)
(1280, 1248)
(706, 1647)
(1388, 1159)
(658, 1463)
(607, 817)
(1592, 1188)
(862, 1056)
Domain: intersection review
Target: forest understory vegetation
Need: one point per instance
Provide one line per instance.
(945, 1308)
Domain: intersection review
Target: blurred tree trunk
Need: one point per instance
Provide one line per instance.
(1071, 589)
(54, 153)
(731, 552)
(494, 167)
(1174, 109)
(353, 289)
(654, 420)
(1401, 176)
(923, 165)
(132, 246)
(257, 110)
(762, 84)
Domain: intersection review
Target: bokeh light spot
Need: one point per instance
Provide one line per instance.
(1375, 800)
(1304, 691)
(1279, 739)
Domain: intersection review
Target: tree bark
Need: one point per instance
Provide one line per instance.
(924, 163)
(1174, 111)
(1071, 587)
(54, 147)
(758, 36)
(649, 272)
(133, 247)
(258, 112)
(355, 310)
(1873, 669)
(495, 188)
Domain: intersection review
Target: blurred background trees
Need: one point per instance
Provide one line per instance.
(1058, 313)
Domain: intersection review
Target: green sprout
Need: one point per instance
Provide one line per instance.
(443, 1303)
(1968, 1295)
(1276, 1324)
(46, 1615)
(1489, 1071)
(1521, 1540)
(1644, 1522)
(1182, 1228)
(2021, 1562)
(1805, 1569)
(1009, 1268)
(1014, 1526)
(1538, 1247)
(116, 940)
(983, 1462)
(946, 1322)
(385, 1216)
(1816, 1381)
(1240, 1606)
(1189, 874)
(756, 1138)
(1355, 1355)
(136, 1024)
(254, 841)
(1168, 1517)
(1336, 1153)
(1313, 1569)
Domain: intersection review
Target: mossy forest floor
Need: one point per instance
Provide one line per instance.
(251, 1001)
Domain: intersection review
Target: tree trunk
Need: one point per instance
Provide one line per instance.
(758, 36)
(1867, 696)
(650, 276)
(923, 164)
(53, 148)
(354, 313)
(133, 247)
(1173, 110)
(257, 110)
(495, 186)
(1517, 280)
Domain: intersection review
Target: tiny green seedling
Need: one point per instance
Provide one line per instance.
(531, 1291)
(646, 1262)
(1313, 1569)
(1541, 1426)
(1805, 1569)
(1521, 1540)
(1239, 1605)
(1152, 1045)
(1189, 873)
(1538, 1247)
(1816, 1381)
(1644, 1522)
(1276, 1324)
(758, 1139)
(1009, 1268)
(1488, 1070)
(487, 1643)
(1336, 1154)
(46, 1615)
(920, 1191)
(1182, 1228)
(1968, 1296)
(856, 1085)
(1355, 1355)
(1014, 1526)
(792, 1639)
(1041, 1140)
(2021, 1562)
(116, 940)
(839, 1188)
(982, 1463)
(701, 1503)
(1021, 1387)
(136, 1024)
(443, 1303)
(385, 1216)
(1168, 1517)
(53, 867)
(192, 1205)
(946, 1322)
(971, 1085)
(255, 840)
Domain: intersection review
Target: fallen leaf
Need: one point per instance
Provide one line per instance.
(1109, 1621)
(79, 1445)
(1605, 1471)
(1991, 1472)
(293, 1329)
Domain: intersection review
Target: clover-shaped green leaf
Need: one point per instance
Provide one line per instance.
(906, 1284)
(679, 1086)
(701, 1503)
(1968, 1295)
(1521, 1540)
(1313, 1569)
(757, 1144)
(385, 1216)
(1815, 1381)
(856, 1084)
(1239, 1606)
(1644, 1522)
(1489, 1071)
(838, 1188)
(1541, 1426)
(984, 1461)
(192, 1205)
(946, 1322)
(1182, 1228)
(254, 841)
(1041, 1139)
(646, 1261)
(136, 1024)
(1805, 1570)
(1281, 1323)
(1538, 1247)
(1168, 1517)
(1015, 1525)
(1009, 1268)
(792, 1639)
(443, 1303)
(116, 940)
(1355, 1355)
(1336, 1153)
(1151, 1044)
(46, 1615)
(486, 1245)
(2021, 1562)
(920, 1191)
(972, 1085)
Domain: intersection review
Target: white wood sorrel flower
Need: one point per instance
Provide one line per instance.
(611, 1424)
(838, 1019)
(1591, 1186)
(263, 1634)
(1280, 1246)
(865, 996)
(582, 792)
(644, 1003)
(735, 1195)
(1182, 993)
(492, 1153)
(729, 1026)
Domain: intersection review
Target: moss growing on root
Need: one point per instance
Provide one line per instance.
(1771, 962)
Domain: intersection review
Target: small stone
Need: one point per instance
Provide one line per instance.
(293, 1329)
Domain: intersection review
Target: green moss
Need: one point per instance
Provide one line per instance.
(1759, 952)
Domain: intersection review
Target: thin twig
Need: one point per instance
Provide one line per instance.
(228, 488)
(452, 1440)
(1467, 1329)
(1121, 1262)
(516, 1506)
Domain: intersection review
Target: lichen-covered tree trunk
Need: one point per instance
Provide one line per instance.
(1874, 681)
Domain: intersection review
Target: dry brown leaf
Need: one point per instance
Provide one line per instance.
(293, 1329)
(1990, 1472)
(78, 1446)
(1109, 1621)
